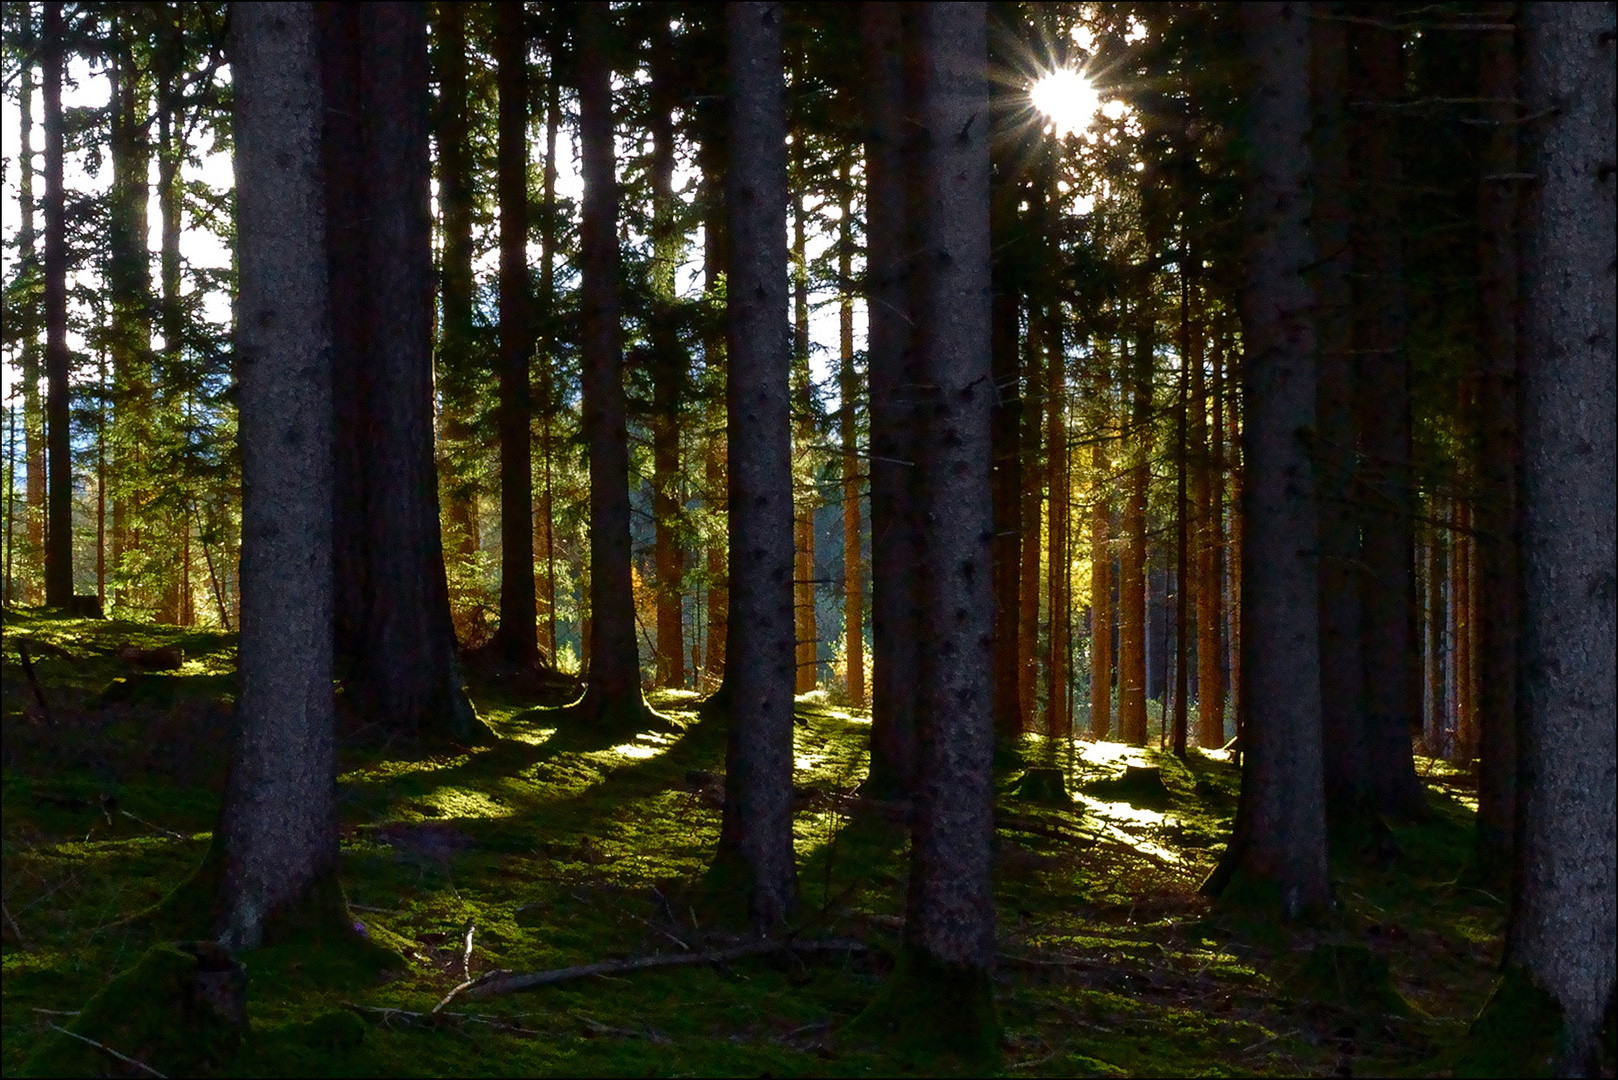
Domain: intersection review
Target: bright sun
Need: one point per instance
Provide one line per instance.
(1067, 98)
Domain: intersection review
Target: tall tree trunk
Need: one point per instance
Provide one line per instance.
(1132, 550)
(1059, 497)
(395, 639)
(1182, 521)
(28, 253)
(1100, 595)
(58, 442)
(1280, 840)
(545, 511)
(1205, 470)
(1008, 411)
(1031, 438)
(949, 929)
(1496, 516)
(757, 827)
(279, 819)
(716, 239)
(613, 692)
(517, 640)
(1565, 912)
(668, 367)
(894, 546)
(129, 292)
(177, 602)
(803, 523)
(1388, 597)
(1233, 573)
(1461, 589)
(454, 369)
(1342, 689)
(848, 390)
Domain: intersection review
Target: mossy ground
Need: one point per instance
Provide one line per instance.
(561, 848)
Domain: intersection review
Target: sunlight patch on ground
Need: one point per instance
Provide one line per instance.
(392, 770)
(460, 802)
(643, 747)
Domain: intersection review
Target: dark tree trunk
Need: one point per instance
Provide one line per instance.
(129, 290)
(545, 512)
(395, 641)
(1392, 670)
(1132, 549)
(58, 441)
(613, 682)
(1059, 498)
(1100, 597)
(454, 373)
(28, 314)
(1496, 516)
(949, 931)
(757, 829)
(1031, 439)
(279, 819)
(848, 391)
(1342, 690)
(1565, 912)
(668, 366)
(803, 519)
(716, 239)
(1182, 522)
(894, 615)
(1205, 454)
(1008, 409)
(1280, 840)
(517, 640)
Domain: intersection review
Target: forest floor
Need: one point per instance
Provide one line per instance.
(560, 851)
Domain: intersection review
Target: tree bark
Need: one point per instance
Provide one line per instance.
(1132, 551)
(716, 239)
(1565, 915)
(395, 640)
(757, 827)
(894, 546)
(848, 390)
(613, 682)
(454, 369)
(1388, 584)
(58, 440)
(545, 512)
(1349, 801)
(1205, 470)
(668, 367)
(1280, 841)
(517, 640)
(1008, 246)
(1100, 596)
(950, 926)
(1496, 515)
(280, 813)
(803, 522)
(1032, 510)
(1058, 573)
(33, 420)
(1182, 521)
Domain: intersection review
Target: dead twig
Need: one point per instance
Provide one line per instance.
(506, 982)
(466, 954)
(15, 929)
(170, 833)
(33, 683)
(110, 1052)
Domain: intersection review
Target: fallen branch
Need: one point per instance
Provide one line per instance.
(105, 1049)
(33, 682)
(466, 956)
(506, 982)
(170, 833)
(1016, 823)
(15, 929)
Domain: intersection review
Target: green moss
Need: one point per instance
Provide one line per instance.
(1350, 977)
(1043, 785)
(159, 1012)
(1139, 785)
(1518, 1032)
(930, 1010)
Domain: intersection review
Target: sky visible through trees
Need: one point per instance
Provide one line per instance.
(1168, 444)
